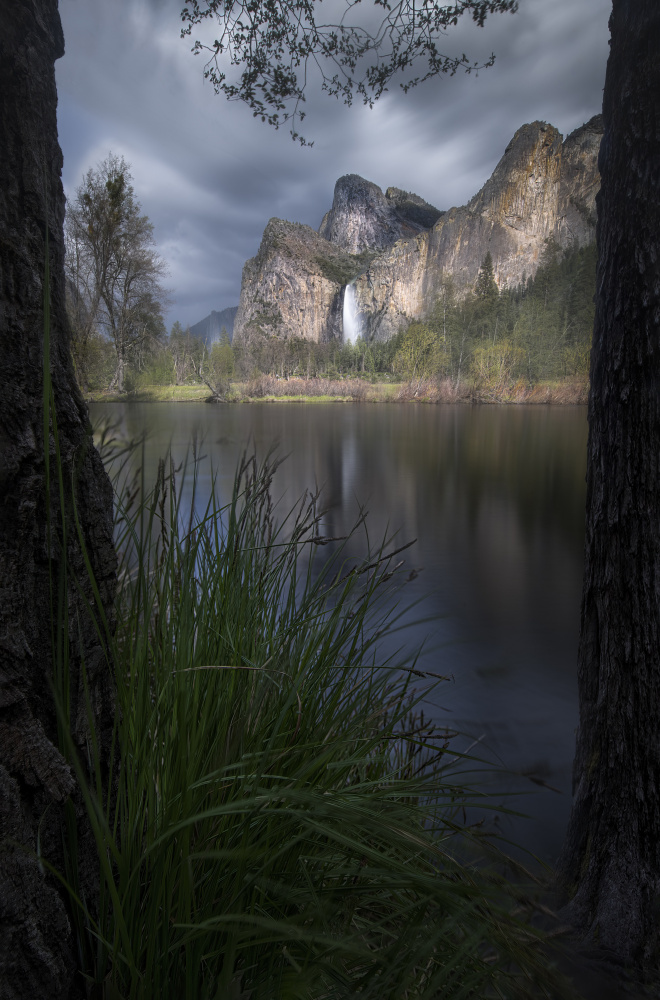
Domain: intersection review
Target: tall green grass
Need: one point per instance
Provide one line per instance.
(280, 823)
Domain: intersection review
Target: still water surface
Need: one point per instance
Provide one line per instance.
(495, 498)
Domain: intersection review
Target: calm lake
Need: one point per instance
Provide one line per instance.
(495, 498)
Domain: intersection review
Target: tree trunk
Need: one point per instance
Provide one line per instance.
(611, 859)
(37, 957)
(120, 372)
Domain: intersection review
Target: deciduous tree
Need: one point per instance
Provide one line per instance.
(276, 45)
(113, 267)
(218, 368)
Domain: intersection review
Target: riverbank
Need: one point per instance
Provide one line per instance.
(270, 389)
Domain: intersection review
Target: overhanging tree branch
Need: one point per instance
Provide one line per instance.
(271, 44)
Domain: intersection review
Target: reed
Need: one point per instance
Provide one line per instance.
(281, 821)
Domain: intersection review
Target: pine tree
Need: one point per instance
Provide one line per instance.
(486, 286)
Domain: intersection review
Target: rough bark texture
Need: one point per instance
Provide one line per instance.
(611, 860)
(36, 946)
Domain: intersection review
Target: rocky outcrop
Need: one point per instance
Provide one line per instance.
(210, 328)
(579, 184)
(541, 189)
(294, 286)
(412, 209)
(363, 218)
(397, 249)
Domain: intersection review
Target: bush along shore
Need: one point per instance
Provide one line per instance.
(280, 820)
(270, 388)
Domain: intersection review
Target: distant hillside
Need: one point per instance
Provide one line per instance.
(210, 328)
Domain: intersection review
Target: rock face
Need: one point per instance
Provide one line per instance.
(294, 286)
(412, 209)
(397, 249)
(363, 218)
(579, 184)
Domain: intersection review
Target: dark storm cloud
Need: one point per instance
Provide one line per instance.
(209, 176)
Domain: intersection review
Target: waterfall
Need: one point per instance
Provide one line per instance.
(350, 316)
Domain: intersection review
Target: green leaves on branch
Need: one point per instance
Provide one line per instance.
(420, 355)
(275, 45)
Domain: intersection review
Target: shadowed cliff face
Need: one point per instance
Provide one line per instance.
(363, 218)
(294, 286)
(541, 189)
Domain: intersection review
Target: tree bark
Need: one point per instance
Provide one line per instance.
(37, 957)
(611, 859)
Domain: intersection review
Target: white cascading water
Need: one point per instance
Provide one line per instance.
(350, 316)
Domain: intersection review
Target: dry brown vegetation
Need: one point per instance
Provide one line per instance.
(269, 385)
(430, 390)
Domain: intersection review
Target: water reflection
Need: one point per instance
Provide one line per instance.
(495, 497)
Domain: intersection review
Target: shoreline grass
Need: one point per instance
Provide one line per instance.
(430, 391)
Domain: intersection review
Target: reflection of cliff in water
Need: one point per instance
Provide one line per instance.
(495, 497)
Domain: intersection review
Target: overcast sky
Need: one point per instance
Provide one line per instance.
(209, 176)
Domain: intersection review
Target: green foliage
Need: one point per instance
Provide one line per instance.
(486, 286)
(94, 361)
(492, 342)
(551, 319)
(343, 270)
(419, 354)
(539, 331)
(280, 825)
(494, 366)
(159, 370)
(188, 355)
(220, 366)
(488, 342)
(222, 358)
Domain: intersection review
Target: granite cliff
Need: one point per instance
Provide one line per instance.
(294, 286)
(363, 218)
(396, 249)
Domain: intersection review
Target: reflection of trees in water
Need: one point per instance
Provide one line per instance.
(494, 495)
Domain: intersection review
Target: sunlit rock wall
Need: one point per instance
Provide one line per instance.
(293, 287)
(363, 218)
(542, 188)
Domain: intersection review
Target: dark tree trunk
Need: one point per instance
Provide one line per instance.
(36, 945)
(611, 860)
